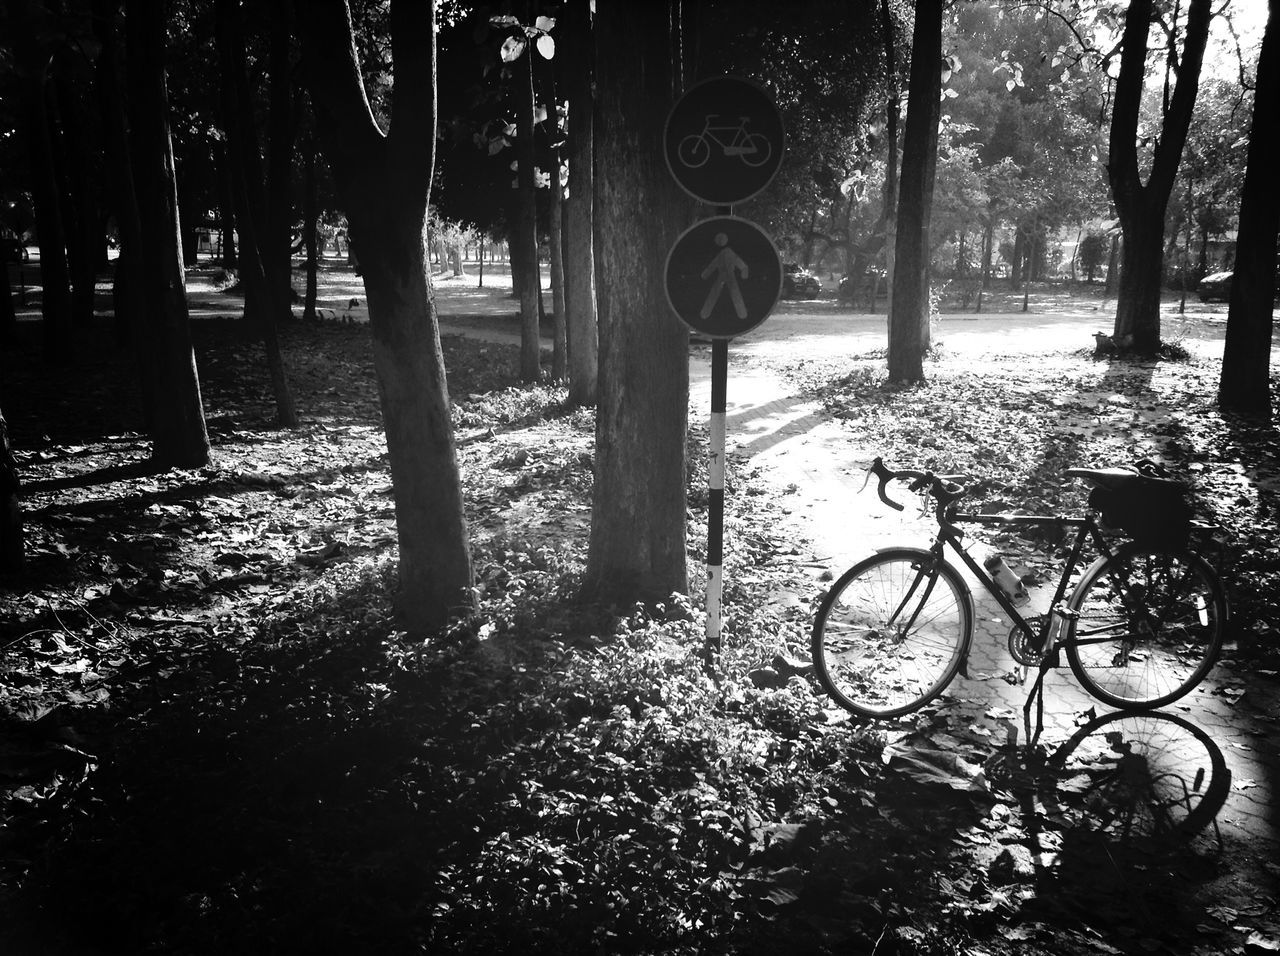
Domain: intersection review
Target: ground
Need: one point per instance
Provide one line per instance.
(215, 740)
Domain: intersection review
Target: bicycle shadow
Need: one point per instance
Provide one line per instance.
(1120, 824)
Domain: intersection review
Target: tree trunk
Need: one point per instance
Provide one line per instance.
(1141, 207)
(1113, 268)
(8, 314)
(178, 431)
(384, 184)
(909, 316)
(11, 536)
(525, 226)
(310, 225)
(1246, 375)
(227, 208)
(31, 55)
(277, 242)
(263, 301)
(129, 282)
(580, 268)
(560, 339)
(637, 546)
(77, 145)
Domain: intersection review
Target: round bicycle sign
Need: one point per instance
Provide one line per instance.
(723, 140)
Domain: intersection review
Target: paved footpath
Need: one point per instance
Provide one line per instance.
(815, 467)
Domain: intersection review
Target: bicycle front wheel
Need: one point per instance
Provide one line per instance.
(892, 632)
(1150, 626)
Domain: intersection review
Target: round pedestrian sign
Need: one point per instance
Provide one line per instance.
(723, 276)
(723, 140)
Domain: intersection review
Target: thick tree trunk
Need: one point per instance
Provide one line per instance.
(580, 267)
(11, 535)
(1141, 207)
(525, 237)
(384, 183)
(909, 318)
(263, 301)
(1246, 360)
(637, 546)
(178, 431)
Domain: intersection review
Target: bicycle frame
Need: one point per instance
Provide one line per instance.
(1086, 529)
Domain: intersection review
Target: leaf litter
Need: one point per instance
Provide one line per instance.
(216, 740)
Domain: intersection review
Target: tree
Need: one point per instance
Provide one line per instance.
(384, 183)
(909, 317)
(178, 434)
(580, 267)
(266, 296)
(11, 546)
(1141, 206)
(1245, 385)
(27, 25)
(637, 544)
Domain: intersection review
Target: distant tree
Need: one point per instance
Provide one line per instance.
(1246, 380)
(178, 434)
(1141, 206)
(909, 318)
(11, 536)
(637, 544)
(1093, 253)
(383, 182)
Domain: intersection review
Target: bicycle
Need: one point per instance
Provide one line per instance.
(753, 149)
(1141, 628)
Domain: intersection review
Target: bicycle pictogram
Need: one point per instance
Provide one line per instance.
(731, 139)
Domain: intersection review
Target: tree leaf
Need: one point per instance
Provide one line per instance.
(545, 24)
(546, 46)
(512, 47)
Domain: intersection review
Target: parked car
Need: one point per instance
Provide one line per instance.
(798, 281)
(1217, 287)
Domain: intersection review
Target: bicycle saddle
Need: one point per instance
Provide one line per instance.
(1108, 478)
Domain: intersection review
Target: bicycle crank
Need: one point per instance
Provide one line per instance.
(1020, 646)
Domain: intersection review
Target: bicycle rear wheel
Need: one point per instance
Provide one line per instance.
(892, 632)
(1150, 627)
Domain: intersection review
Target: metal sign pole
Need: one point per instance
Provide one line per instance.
(715, 502)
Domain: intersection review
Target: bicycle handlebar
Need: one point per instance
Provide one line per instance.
(944, 488)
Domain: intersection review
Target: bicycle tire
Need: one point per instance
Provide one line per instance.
(1162, 648)
(693, 151)
(901, 672)
(1177, 787)
(761, 150)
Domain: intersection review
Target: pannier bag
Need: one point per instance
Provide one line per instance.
(1148, 506)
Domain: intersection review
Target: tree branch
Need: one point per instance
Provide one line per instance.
(332, 71)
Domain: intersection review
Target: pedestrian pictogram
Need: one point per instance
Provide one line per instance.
(724, 140)
(723, 276)
(726, 267)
